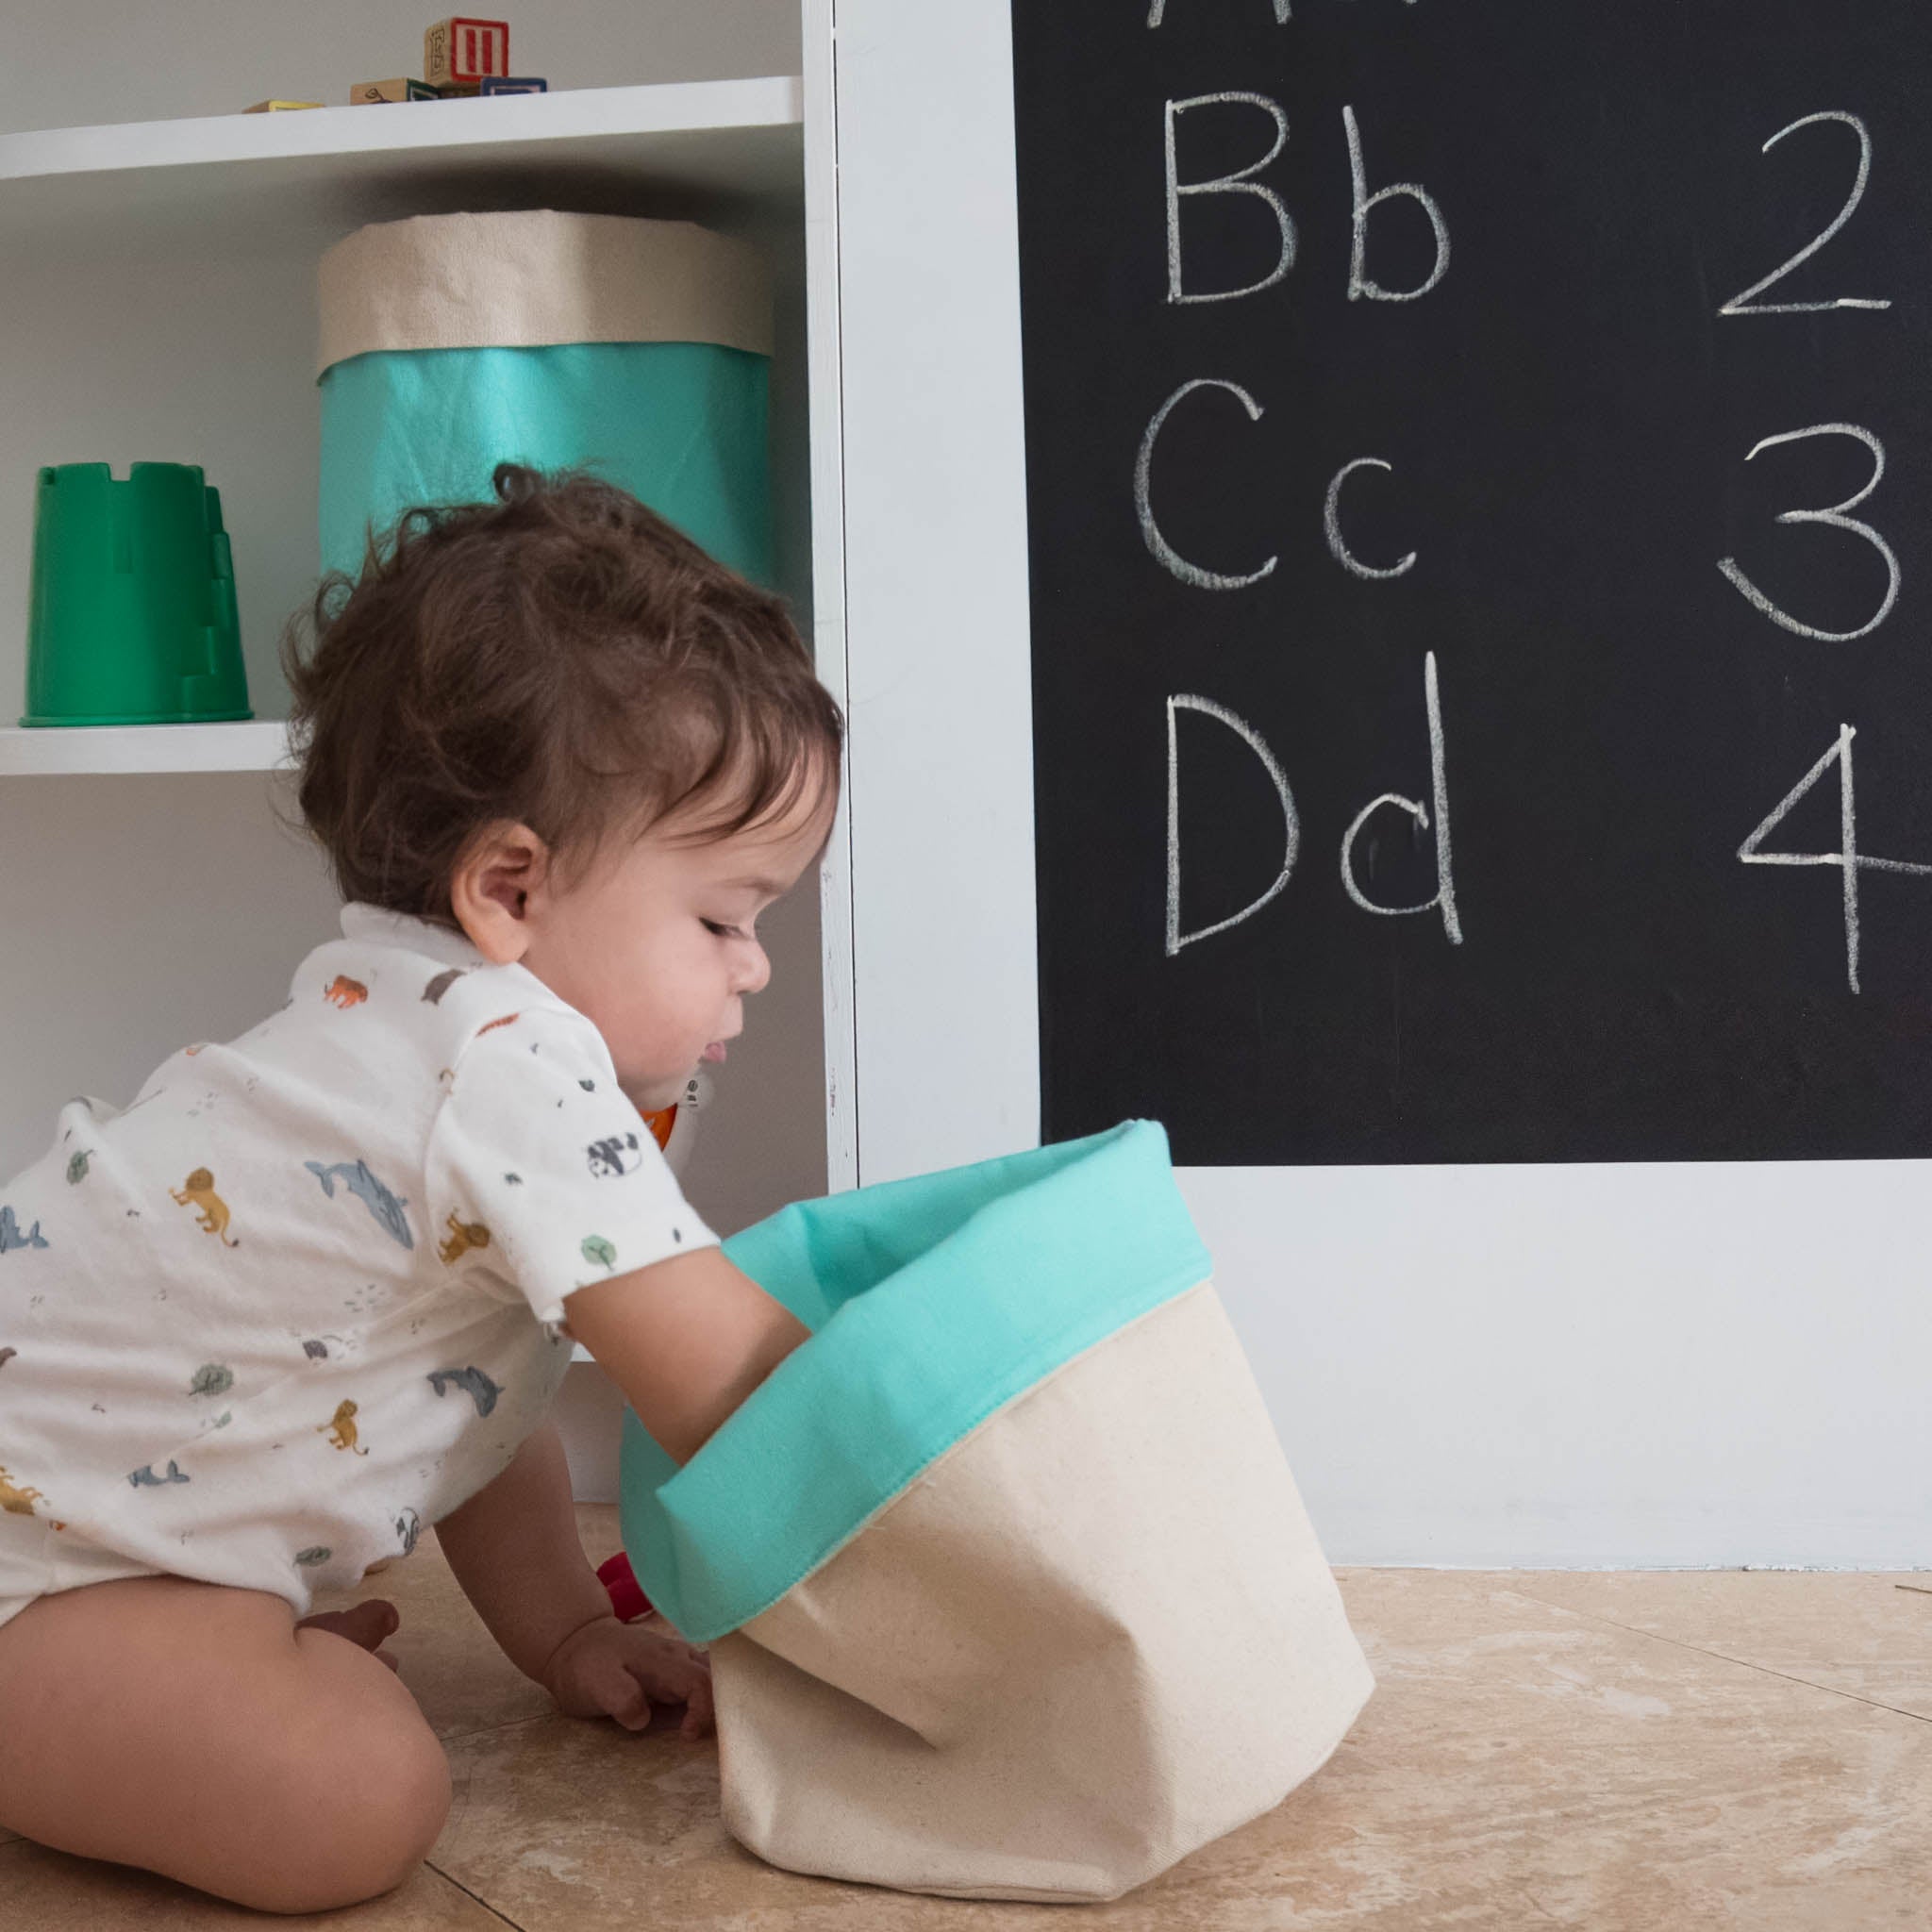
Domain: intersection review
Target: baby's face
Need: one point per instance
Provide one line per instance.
(657, 943)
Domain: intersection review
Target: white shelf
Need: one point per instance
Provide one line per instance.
(260, 196)
(678, 108)
(253, 745)
(299, 178)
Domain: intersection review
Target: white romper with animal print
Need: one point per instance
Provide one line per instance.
(306, 1293)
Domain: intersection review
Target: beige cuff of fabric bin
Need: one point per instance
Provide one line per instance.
(535, 276)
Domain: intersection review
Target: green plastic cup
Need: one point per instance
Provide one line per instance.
(132, 616)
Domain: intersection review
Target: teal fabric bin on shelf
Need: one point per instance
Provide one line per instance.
(638, 349)
(1007, 1587)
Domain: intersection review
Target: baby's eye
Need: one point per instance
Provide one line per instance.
(724, 932)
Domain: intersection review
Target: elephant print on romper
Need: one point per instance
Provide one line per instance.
(434, 991)
(199, 1189)
(342, 1429)
(344, 991)
(473, 1381)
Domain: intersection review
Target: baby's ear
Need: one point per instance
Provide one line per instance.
(499, 883)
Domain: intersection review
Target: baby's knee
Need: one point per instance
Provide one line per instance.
(370, 1809)
(403, 1807)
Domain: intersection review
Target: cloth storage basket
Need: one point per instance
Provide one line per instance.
(1008, 1588)
(450, 343)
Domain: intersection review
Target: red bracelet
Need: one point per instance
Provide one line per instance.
(627, 1602)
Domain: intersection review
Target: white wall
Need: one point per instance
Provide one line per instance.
(81, 62)
(138, 912)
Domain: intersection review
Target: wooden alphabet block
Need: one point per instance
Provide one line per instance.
(514, 83)
(465, 51)
(279, 107)
(367, 90)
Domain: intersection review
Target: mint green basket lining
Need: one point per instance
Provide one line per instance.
(683, 425)
(934, 1302)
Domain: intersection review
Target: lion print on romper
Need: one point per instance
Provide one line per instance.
(341, 1429)
(463, 1236)
(200, 1190)
(20, 1500)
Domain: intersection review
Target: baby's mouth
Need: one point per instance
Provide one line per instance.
(714, 1052)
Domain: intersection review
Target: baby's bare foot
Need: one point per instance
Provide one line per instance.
(366, 1625)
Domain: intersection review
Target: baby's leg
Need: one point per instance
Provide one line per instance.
(194, 1730)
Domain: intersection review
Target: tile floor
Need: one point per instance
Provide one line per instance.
(1617, 1751)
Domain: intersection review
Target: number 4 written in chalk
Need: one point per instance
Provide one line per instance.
(1848, 859)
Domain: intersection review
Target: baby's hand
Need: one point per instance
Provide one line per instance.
(610, 1668)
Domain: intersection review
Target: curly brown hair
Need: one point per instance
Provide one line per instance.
(562, 656)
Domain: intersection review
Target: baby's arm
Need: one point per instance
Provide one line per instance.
(513, 1547)
(687, 1340)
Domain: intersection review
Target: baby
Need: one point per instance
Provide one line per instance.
(314, 1290)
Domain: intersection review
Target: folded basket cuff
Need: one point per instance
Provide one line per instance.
(934, 1302)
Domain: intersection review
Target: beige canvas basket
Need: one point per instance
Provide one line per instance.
(635, 348)
(1091, 1632)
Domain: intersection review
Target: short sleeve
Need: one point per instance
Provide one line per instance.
(540, 1174)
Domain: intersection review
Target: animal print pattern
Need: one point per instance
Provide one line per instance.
(364, 1388)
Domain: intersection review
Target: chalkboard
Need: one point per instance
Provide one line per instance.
(1478, 454)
